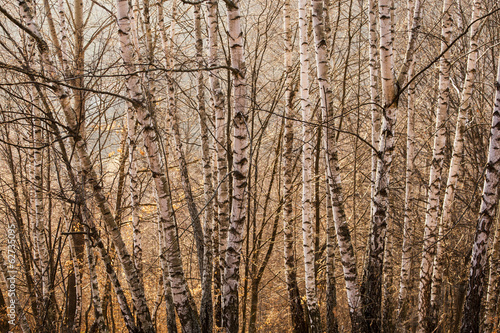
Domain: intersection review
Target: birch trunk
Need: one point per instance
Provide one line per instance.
(307, 177)
(94, 287)
(333, 173)
(456, 162)
(240, 171)
(405, 279)
(217, 97)
(432, 210)
(181, 159)
(372, 279)
(490, 321)
(296, 311)
(115, 282)
(72, 318)
(167, 290)
(331, 292)
(132, 138)
(40, 232)
(408, 224)
(374, 89)
(388, 283)
(489, 202)
(206, 307)
(182, 296)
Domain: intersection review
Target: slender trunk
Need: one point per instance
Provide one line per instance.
(432, 209)
(230, 309)
(258, 270)
(132, 138)
(181, 159)
(206, 307)
(332, 167)
(217, 99)
(489, 202)
(120, 295)
(307, 177)
(296, 311)
(388, 304)
(374, 90)
(408, 222)
(72, 316)
(167, 290)
(492, 292)
(455, 164)
(47, 309)
(331, 292)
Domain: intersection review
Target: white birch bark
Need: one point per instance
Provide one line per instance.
(307, 169)
(489, 202)
(455, 164)
(206, 307)
(167, 290)
(296, 311)
(333, 173)
(40, 233)
(132, 138)
(408, 222)
(432, 209)
(372, 279)
(331, 289)
(217, 98)
(182, 296)
(388, 303)
(492, 291)
(374, 88)
(94, 285)
(240, 170)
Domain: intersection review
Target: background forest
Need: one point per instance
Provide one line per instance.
(249, 166)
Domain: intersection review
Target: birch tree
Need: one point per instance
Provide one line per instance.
(489, 202)
(307, 164)
(432, 209)
(206, 307)
(240, 171)
(296, 310)
(217, 98)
